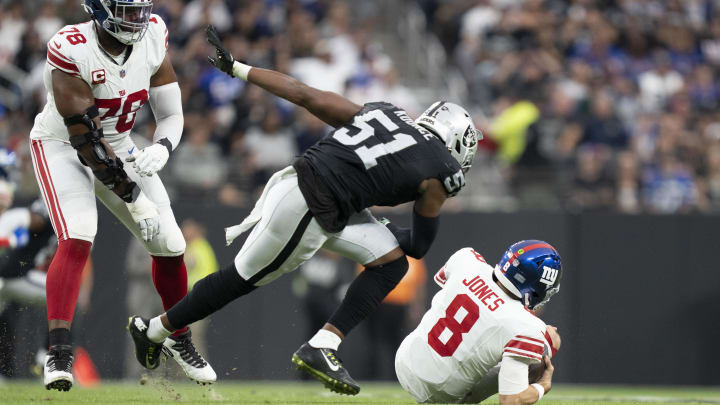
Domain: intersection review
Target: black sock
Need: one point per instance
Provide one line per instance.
(207, 296)
(366, 293)
(59, 336)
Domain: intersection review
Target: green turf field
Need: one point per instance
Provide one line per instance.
(164, 392)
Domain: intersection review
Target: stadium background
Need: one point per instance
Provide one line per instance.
(602, 137)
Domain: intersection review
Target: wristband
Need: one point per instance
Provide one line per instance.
(166, 143)
(241, 70)
(540, 390)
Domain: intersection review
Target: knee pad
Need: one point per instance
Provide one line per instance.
(389, 275)
(170, 242)
(175, 241)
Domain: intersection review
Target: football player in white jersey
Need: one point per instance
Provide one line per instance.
(480, 336)
(98, 75)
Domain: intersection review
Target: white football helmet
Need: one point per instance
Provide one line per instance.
(454, 126)
(126, 20)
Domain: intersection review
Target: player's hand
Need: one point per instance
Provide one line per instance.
(546, 378)
(145, 213)
(224, 60)
(150, 160)
(555, 339)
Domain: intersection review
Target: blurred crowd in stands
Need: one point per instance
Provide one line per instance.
(608, 105)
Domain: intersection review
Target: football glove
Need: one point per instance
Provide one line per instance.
(145, 213)
(149, 160)
(224, 60)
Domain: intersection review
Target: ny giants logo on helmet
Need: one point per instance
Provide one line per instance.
(549, 275)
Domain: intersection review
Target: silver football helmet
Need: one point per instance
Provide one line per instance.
(454, 126)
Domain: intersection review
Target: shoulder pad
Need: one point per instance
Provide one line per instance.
(66, 50)
(158, 32)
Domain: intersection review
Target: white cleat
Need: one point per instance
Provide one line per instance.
(58, 368)
(182, 350)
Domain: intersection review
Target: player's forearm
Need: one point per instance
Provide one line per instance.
(529, 396)
(333, 109)
(277, 83)
(166, 103)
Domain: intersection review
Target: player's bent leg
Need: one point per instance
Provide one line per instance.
(169, 274)
(406, 376)
(286, 236)
(67, 189)
(368, 242)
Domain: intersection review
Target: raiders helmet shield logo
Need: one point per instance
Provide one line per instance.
(469, 138)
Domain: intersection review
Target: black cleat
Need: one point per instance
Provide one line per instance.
(58, 368)
(325, 366)
(147, 352)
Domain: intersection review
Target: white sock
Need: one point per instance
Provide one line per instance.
(156, 331)
(324, 339)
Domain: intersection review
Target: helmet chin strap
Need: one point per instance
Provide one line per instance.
(105, 36)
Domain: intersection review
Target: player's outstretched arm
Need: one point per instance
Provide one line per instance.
(82, 119)
(332, 108)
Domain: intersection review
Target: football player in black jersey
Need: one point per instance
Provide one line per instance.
(377, 155)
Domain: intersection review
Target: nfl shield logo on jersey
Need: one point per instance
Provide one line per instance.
(122, 73)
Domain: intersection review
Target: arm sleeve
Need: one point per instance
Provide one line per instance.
(525, 347)
(415, 242)
(513, 377)
(548, 343)
(166, 104)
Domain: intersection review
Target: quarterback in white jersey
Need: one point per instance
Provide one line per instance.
(479, 335)
(98, 75)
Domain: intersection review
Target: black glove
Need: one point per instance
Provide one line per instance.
(224, 60)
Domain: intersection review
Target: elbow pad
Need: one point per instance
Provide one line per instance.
(109, 171)
(166, 104)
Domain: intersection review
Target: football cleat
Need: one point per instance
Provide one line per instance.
(183, 351)
(326, 367)
(58, 368)
(147, 352)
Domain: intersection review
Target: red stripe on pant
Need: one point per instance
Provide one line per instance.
(46, 183)
(63, 278)
(170, 279)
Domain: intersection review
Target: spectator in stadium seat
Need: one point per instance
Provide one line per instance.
(602, 125)
(270, 144)
(198, 165)
(627, 191)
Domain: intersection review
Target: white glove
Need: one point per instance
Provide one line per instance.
(150, 160)
(145, 214)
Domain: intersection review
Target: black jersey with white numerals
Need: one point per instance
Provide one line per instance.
(380, 158)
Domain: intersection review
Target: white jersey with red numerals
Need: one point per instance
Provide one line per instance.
(120, 88)
(470, 326)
